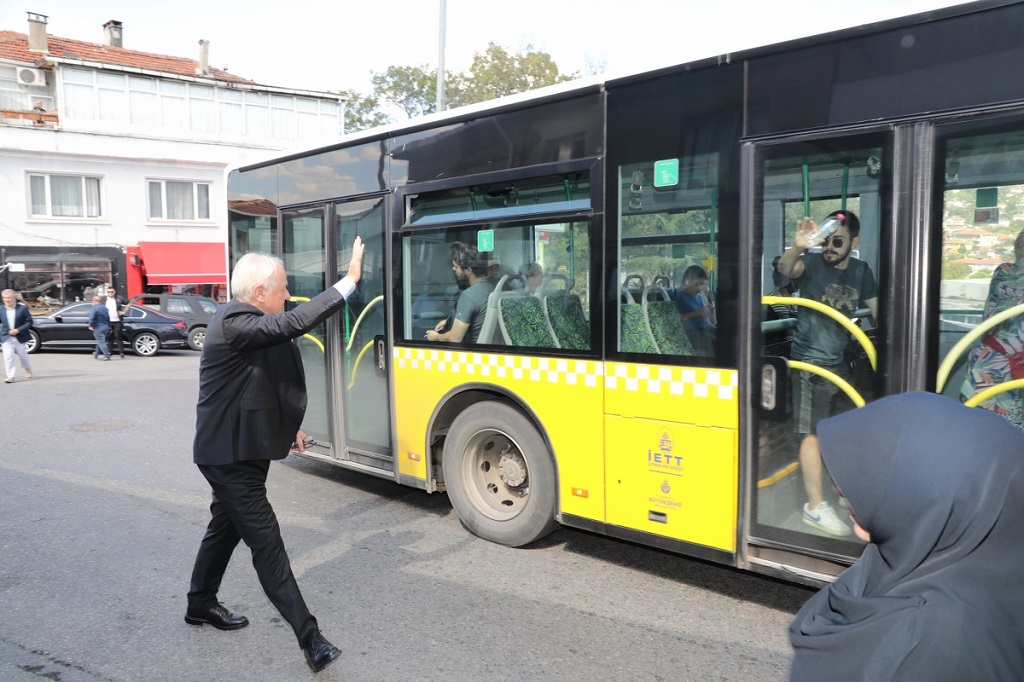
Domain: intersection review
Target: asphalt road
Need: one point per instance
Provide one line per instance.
(103, 512)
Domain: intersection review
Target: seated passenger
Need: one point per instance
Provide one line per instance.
(534, 274)
(471, 273)
(696, 309)
(493, 270)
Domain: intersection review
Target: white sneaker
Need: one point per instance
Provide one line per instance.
(28, 374)
(824, 518)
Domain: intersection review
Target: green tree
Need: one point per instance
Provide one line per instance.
(412, 90)
(362, 112)
(496, 73)
(955, 271)
(409, 88)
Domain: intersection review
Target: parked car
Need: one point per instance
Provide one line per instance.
(146, 331)
(195, 310)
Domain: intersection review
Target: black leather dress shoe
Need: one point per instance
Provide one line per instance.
(319, 652)
(217, 616)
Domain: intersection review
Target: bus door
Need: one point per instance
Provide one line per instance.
(978, 218)
(815, 347)
(344, 359)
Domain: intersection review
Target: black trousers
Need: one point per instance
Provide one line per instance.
(117, 336)
(241, 511)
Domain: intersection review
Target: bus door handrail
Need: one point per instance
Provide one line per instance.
(968, 340)
(355, 365)
(858, 333)
(320, 345)
(842, 383)
(355, 327)
(982, 396)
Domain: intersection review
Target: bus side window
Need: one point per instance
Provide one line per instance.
(516, 315)
(665, 235)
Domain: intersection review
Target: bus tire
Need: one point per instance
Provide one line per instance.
(500, 475)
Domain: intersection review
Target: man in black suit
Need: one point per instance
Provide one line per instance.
(252, 396)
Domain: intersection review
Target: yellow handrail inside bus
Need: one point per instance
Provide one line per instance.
(981, 397)
(857, 332)
(303, 299)
(355, 365)
(315, 340)
(831, 376)
(359, 319)
(968, 340)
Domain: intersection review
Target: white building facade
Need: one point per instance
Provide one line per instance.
(112, 162)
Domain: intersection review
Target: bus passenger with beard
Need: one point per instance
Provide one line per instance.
(471, 274)
(844, 283)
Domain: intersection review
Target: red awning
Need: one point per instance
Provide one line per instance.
(184, 262)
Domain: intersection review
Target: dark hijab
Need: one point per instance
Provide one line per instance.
(938, 593)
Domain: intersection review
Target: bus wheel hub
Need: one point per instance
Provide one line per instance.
(512, 467)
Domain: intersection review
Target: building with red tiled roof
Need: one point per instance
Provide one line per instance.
(114, 147)
(14, 46)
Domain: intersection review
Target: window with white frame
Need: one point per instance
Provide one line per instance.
(17, 97)
(178, 200)
(65, 196)
(178, 105)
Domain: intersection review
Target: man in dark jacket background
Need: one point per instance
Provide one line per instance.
(14, 325)
(252, 398)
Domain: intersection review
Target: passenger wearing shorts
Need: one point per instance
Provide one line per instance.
(846, 284)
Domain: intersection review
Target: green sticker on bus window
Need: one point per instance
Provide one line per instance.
(666, 173)
(485, 241)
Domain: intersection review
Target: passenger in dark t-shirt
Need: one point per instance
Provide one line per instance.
(471, 273)
(838, 280)
(470, 308)
(696, 310)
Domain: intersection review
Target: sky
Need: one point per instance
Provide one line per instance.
(330, 45)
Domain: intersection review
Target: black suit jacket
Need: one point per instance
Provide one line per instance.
(252, 390)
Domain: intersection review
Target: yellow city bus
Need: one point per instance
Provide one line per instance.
(585, 399)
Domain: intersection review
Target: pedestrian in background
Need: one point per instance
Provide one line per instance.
(116, 307)
(99, 325)
(14, 326)
(252, 397)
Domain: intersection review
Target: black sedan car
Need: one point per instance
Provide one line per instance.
(146, 331)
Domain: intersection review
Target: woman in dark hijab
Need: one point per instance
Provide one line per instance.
(938, 594)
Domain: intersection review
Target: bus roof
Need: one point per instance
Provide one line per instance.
(604, 81)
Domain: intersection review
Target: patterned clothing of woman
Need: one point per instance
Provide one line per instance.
(989, 361)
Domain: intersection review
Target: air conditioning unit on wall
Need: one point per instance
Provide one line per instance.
(28, 76)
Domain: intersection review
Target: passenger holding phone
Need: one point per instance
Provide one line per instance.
(842, 282)
(697, 310)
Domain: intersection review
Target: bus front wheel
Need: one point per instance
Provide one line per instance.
(499, 475)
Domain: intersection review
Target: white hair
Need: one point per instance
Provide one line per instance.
(250, 271)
